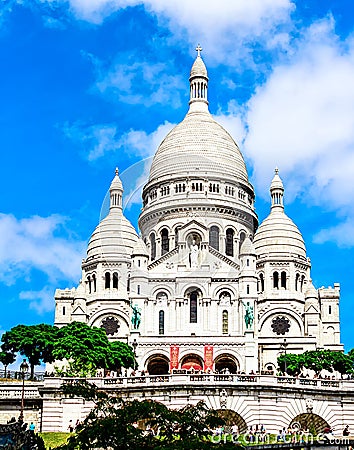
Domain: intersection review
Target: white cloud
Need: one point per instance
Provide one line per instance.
(302, 120)
(38, 243)
(224, 27)
(139, 83)
(98, 140)
(41, 301)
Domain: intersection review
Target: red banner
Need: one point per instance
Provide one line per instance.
(208, 357)
(174, 353)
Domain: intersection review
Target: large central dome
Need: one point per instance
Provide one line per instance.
(198, 145)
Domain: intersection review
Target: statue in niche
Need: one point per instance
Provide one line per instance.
(136, 317)
(249, 315)
(194, 253)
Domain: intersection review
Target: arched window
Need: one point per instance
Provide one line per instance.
(176, 235)
(229, 242)
(161, 322)
(107, 280)
(94, 282)
(225, 322)
(242, 238)
(247, 289)
(261, 278)
(152, 246)
(64, 311)
(297, 277)
(115, 280)
(283, 280)
(164, 241)
(302, 282)
(329, 309)
(89, 283)
(128, 283)
(276, 280)
(193, 303)
(214, 237)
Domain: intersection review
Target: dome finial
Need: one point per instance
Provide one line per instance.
(277, 191)
(117, 171)
(199, 49)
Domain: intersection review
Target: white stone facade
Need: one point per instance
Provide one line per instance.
(206, 283)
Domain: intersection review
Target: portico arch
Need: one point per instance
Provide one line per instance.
(158, 364)
(192, 361)
(233, 418)
(226, 362)
(314, 423)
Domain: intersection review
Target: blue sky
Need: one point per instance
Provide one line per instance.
(88, 85)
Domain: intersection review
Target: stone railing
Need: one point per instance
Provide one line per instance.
(202, 378)
(12, 390)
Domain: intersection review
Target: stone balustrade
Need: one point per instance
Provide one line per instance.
(197, 378)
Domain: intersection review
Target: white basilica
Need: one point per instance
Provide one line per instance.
(204, 286)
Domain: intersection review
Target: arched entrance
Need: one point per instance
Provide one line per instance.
(233, 418)
(226, 363)
(192, 361)
(308, 421)
(158, 365)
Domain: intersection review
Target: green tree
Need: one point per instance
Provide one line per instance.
(112, 423)
(33, 341)
(317, 360)
(7, 358)
(291, 363)
(87, 348)
(342, 363)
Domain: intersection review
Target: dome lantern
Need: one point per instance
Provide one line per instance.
(199, 82)
(277, 191)
(116, 192)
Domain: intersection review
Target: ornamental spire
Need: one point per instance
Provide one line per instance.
(277, 191)
(199, 49)
(116, 192)
(198, 83)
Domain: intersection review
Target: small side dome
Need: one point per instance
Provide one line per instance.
(114, 237)
(140, 249)
(278, 234)
(80, 291)
(311, 292)
(247, 247)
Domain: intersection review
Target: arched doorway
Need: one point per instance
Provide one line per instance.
(158, 365)
(308, 421)
(233, 418)
(226, 363)
(192, 361)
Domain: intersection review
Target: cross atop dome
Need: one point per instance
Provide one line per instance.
(199, 49)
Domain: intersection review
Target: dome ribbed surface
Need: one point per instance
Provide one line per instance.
(278, 234)
(198, 145)
(114, 237)
(198, 68)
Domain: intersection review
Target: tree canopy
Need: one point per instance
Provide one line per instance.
(84, 348)
(117, 424)
(87, 348)
(7, 358)
(317, 360)
(33, 341)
